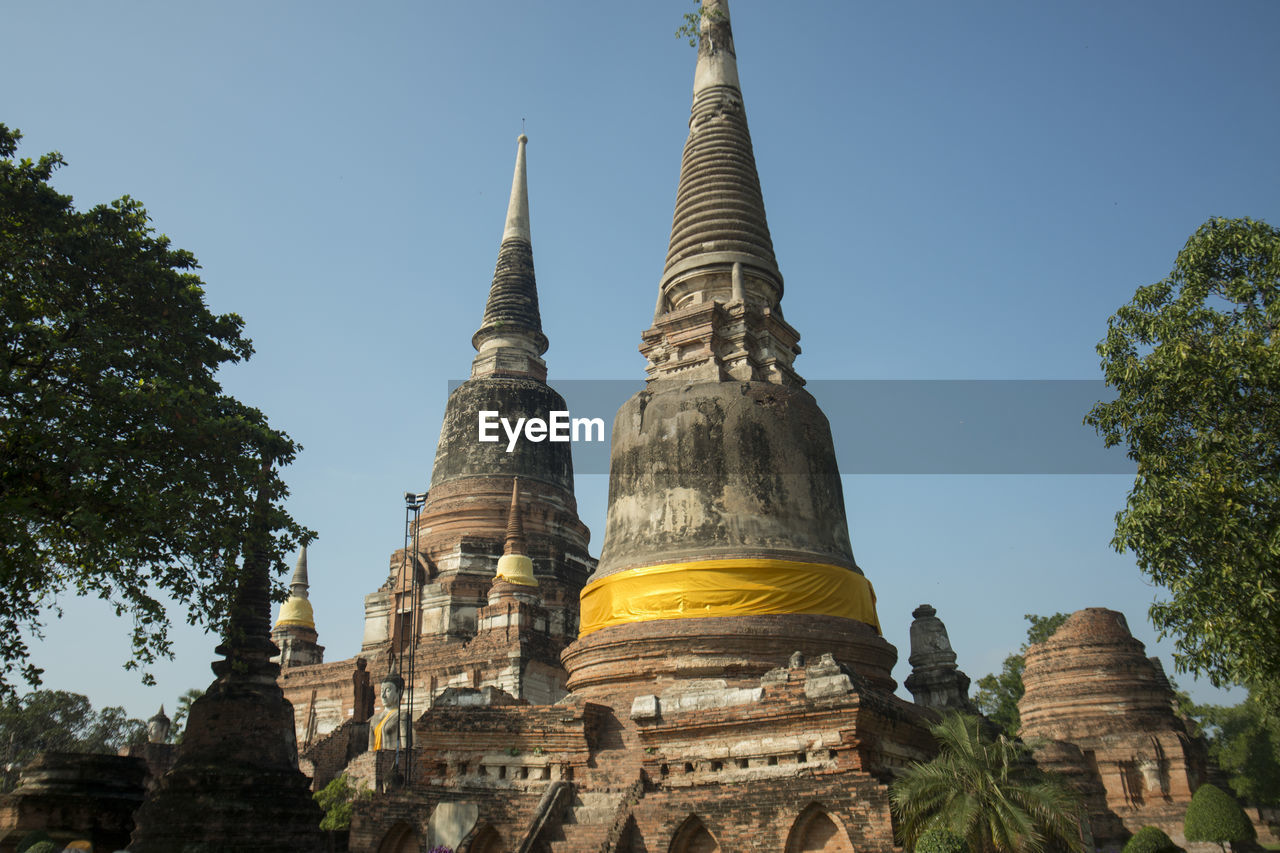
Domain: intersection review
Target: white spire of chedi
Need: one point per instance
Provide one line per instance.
(518, 207)
(719, 315)
(510, 341)
(717, 60)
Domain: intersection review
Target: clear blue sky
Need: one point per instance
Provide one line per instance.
(955, 191)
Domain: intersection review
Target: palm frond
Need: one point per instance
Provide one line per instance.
(987, 791)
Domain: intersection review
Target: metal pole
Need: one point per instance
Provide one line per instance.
(413, 506)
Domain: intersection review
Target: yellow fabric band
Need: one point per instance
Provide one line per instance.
(377, 731)
(726, 588)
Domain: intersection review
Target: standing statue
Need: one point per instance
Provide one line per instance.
(390, 729)
(362, 688)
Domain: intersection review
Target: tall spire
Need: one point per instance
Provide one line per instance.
(510, 340)
(515, 530)
(517, 225)
(720, 249)
(298, 586)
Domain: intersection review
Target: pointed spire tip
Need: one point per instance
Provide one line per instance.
(515, 529)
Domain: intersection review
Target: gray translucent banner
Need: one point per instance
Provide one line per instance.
(978, 426)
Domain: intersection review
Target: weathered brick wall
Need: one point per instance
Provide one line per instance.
(510, 813)
(760, 815)
(523, 660)
(326, 758)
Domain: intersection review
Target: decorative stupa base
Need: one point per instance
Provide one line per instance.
(732, 648)
(235, 787)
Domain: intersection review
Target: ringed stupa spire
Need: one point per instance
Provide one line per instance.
(726, 543)
(508, 374)
(719, 312)
(719, 216)
(514, 566)
(510, 341)
(472, 499)
(515, 528)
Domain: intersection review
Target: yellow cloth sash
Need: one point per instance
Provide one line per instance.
(738, 587)
(377, 731)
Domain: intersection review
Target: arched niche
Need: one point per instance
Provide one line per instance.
(817, 831)
(693, 837)
(401, 838)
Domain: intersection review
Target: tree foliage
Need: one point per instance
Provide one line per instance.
(1245, 743)
(337, 799)
(125, 472)
(31, 839)
(988, 792)
(45, 847)
(998, 693)
(941, 841)
(1213, 816)
(58, 721)
(1195, 363)
(178, 727)
(691, 22)
(1150, 839)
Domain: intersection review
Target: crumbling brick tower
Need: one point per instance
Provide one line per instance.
(1103, 714)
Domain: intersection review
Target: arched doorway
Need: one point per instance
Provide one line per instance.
(693, 837)
(815, 831)
(401, 838)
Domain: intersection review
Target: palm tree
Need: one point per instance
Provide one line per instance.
(183, 710)
(988, 792)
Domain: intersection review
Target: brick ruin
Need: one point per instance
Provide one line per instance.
(717, 681)
(553, 714)
(1107, 719)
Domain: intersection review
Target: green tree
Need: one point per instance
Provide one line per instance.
(178, 726)
(691, 22)
(337, 799)
(998, 693)
(1245, 743)
(1213, 816)
(58, 721)
(125, 472)
(1150, 839)
(988, 792)
(1195, 363)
